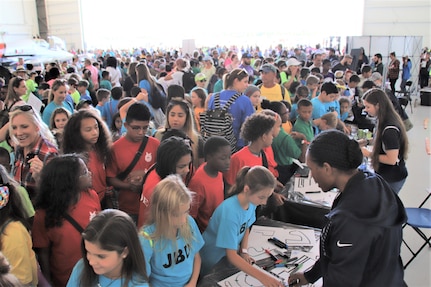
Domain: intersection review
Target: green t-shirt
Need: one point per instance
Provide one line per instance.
(76, 97)
(26, 203)
(305, 128)
(285, 148)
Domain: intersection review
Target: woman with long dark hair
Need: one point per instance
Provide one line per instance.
(390, 144)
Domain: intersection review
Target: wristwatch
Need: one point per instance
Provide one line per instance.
(244, 251)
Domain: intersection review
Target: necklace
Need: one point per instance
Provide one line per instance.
(109, 284)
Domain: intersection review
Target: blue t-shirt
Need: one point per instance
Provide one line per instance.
(108, 110)
(47, 112)
(320, 108)
(162, 267)
(225, 230)
(74, 280)
(240, 110)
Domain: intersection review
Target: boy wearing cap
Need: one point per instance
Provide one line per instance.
(200, 80)
(291, 74)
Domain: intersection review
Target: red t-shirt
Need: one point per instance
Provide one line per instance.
(123, 152)
(244, 157)
(144, 203)
(65, 241)
(209, 194)
(98, 174)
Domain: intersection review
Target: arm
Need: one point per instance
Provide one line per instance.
(142, 96)
(43, 257)
(246, 267)
(119, 184)
(347, 264)
(390, 157)
(196, 270)
(3, 132)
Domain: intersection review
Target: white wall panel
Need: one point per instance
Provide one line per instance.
(64, 21)
(18, 19)
(398, 18)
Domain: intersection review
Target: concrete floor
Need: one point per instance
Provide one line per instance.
(418, 273)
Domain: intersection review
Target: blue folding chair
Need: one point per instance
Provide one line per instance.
(418, 218)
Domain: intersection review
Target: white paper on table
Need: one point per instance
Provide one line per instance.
(259, 235)
(242, 279)
(306, 184)
(324, 198)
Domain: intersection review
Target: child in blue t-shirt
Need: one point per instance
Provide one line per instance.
(111, 254)
(172, 239)
(105, 83)
(228, 229)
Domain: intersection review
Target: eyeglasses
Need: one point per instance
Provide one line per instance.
(24, 108)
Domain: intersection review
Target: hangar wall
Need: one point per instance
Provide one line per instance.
(64, 21)
(398, 18)
(18, 20)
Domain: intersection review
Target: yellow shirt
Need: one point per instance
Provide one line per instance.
(287, 127)
(17, 248)
(274, 93)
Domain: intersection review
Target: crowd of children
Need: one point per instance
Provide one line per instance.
(184, 202)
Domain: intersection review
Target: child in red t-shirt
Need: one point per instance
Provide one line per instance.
(207, 182)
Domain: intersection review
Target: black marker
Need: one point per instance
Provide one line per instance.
(277, 243)
(280, 242)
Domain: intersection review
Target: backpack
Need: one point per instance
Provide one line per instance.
(188, 81)
(218, 121)
(283, 89)
(158, 97)
(4, 114)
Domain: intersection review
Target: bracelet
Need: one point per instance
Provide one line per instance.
(244, 251)
(305, 142)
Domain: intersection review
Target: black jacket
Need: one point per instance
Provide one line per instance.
(360, 244)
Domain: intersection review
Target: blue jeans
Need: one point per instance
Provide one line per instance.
(397, 185)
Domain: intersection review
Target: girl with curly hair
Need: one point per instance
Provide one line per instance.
(65, 196)
(87, 134)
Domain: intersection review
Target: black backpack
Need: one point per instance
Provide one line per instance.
(218, 121)
(188, 81)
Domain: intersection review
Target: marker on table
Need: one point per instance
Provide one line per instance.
(296, 268)
(278, 242)
(273, 257)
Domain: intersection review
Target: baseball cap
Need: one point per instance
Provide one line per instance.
(246, 55)
(293, 62)
(207, 58)
(268, 68)
(200, 77)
